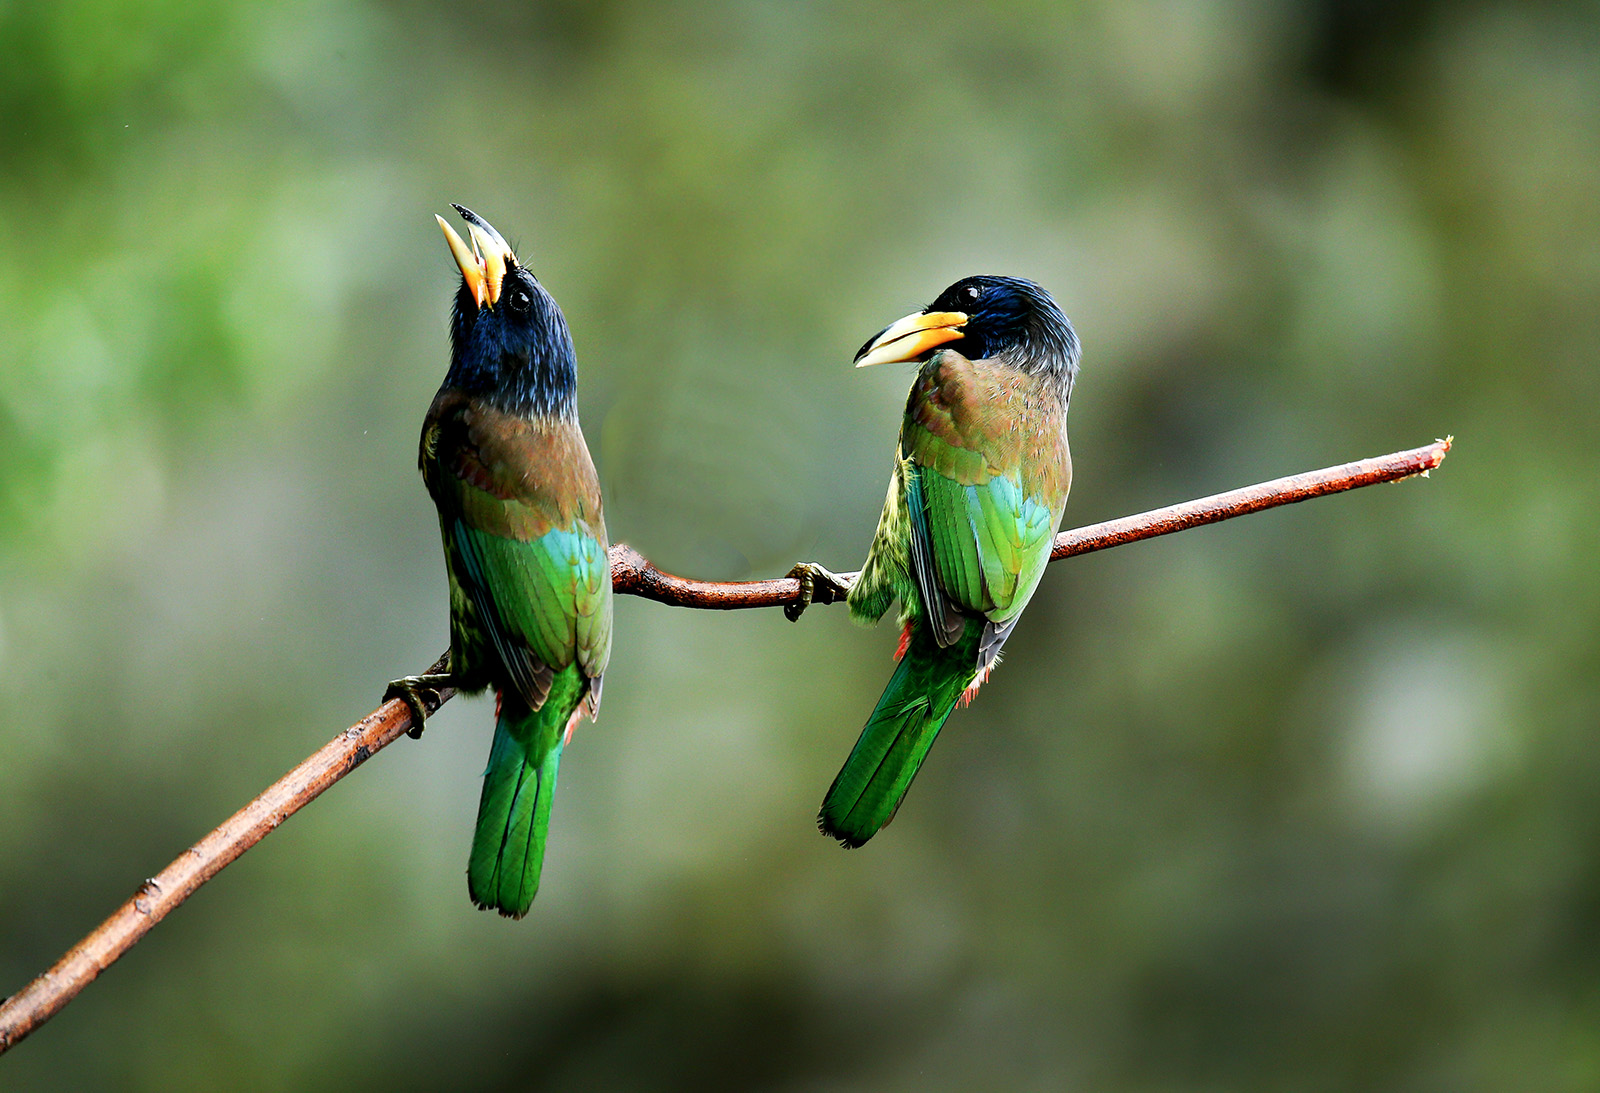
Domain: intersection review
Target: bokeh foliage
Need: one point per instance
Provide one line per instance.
(1306, 801)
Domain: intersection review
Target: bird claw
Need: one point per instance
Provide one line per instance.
(410, 690)
(817, 585)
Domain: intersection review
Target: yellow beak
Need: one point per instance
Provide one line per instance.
(483, 264)
(911, 337)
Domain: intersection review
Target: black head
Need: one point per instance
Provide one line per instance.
(1007, 315)
(509, 342)
(986, 318)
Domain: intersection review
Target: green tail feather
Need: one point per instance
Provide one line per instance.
(923, 690)
(518, 789)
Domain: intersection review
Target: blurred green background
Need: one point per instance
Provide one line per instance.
(1308, 801)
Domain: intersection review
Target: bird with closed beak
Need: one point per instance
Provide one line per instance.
(979, 484)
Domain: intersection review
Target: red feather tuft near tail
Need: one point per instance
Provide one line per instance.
(905, 642)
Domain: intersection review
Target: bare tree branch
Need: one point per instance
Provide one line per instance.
(632, 575)
(40, 1000)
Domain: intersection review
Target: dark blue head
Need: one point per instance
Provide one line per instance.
(509, 342)
(988, 318)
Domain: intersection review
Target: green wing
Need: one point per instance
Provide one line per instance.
(543, 603)
(519, 507)
(990, 542)
(988, 481)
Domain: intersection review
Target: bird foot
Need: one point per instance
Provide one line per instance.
(817, 585)
(411, 689)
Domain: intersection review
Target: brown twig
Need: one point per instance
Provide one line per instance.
(632, 575)
(40, 1000)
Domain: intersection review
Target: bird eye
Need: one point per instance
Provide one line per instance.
(972, 291)
(520, 300)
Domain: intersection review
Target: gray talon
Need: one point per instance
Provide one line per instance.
(813, 578)
(409, 690)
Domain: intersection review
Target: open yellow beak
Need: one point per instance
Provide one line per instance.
(911, 337)
(483, 264)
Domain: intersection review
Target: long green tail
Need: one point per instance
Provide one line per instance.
(923, 690)
(518, 789)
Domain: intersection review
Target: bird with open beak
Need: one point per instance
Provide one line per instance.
(524, 547)
(979, 484)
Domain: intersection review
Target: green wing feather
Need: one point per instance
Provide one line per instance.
(989, 511)
(525, 544)
(978, 490)
(549, 595)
